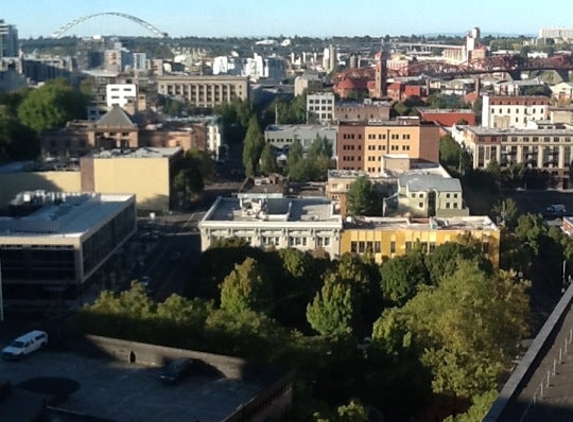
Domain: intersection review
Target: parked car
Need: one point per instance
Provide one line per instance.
(176, 370)
(557, 209)
(25, 344)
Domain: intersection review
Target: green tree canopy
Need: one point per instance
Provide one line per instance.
(17, 141)
(295, 161)
(402, 275)
(268, 160)
(333, 309)
(246, 288)
(252, 147)
(361, 198)
(450, 153)
(52, 105)
(466, 328)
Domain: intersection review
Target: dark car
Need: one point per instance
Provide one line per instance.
(175, 370)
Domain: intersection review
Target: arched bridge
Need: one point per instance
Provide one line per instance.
(156, 32)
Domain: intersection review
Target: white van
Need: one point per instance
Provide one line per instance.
(25, 345)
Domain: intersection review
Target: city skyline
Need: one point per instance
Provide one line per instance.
(223, 18)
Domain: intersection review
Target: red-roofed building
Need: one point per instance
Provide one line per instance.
(351, 85)
(448, 117)
(399, 91)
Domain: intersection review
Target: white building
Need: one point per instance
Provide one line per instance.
(562, 33)
(120, 94)
(139, 62)
(301, 223)
(320, 105)
(500, 112)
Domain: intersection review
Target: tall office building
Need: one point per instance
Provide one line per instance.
(8, 40)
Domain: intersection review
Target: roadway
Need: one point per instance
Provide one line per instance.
(536, 202)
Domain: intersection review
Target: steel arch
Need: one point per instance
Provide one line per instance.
(146, 25)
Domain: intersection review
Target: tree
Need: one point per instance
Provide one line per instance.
(481, 404)
(189, 181)
(17, 142)
(246, 288)
(450, 153)
(361, 198)
(52, 105)
(354, 411)
(294, 161)
(268, 160)
(252, 147)
(333, 308)
(445, 259)
(467, 328)
(402, 275)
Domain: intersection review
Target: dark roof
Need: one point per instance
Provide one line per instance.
(116, 118)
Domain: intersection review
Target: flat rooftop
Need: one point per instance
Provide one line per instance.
(445, 110)
(125, 392)
(61, 214)
(262, 211)
(145, 152)
(479, 130)
(402, 223)
(295, 128)
(416, 168)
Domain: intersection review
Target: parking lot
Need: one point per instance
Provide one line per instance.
(130, 392)
(536, 202)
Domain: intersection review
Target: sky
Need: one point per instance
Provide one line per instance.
(316, 18)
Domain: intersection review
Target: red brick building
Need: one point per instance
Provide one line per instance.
(447, 117)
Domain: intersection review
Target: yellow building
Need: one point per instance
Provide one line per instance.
(389, 237)
(146, 172)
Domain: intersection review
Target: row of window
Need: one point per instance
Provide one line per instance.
(517, 110)
(525, 139)
(375, 246)
(393, 136)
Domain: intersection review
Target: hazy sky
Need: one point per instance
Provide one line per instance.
(323, 18)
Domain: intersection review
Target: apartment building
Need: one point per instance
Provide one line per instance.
(320, 107)
(301, 223)
(204, 91)
(386, 237)
(368, 110)
(500, 112)
(361, 145)
(547, 148)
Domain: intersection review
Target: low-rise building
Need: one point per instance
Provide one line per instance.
(53, 243)
(282, 137)
(119, 171)
(500, 112)
(447, 117)
(320, 107)
(428, 195)
(311, 82)
(301, 223)
(365, 111)
(386, 237)
(204, 91)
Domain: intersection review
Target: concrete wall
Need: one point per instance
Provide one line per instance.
(147, 178)
(276, 384)
(14, 183)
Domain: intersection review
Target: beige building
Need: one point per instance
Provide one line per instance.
(368, 110)
(204, 91)
(301, 223)
(547, 148)
(145, 172)
(53, 243)
(428, 195)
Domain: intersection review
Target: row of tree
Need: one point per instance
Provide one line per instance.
(26, 113)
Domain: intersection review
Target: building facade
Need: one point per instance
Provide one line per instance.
(500, 112)
(386, 237)
(368, 110)
(120, 94)
(361, 145)
(117, 171)
(204, 91)
(320, 107)
(54, 242)
(282, 137)
(301, 223)
(9, 45)
(546, 149)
